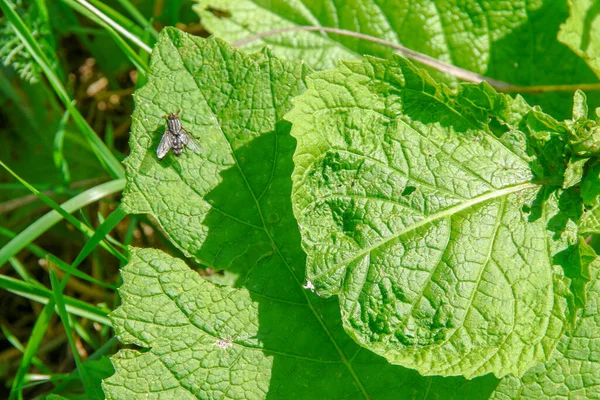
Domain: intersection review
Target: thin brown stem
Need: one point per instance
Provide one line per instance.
(424, 59)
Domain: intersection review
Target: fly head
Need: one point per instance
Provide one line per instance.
(174, 124)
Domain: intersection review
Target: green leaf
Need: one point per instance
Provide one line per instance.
(286, 342)
(466, 44)
(590, 222)
(530, 54)
(573, 371)
(576, 261)
(574, 171)
(97, 371)
(581, 31)
(510, 41)
(584, 132)
(580, 108)
(233, 20)
(590, 187)
(217, 206)
(424, 211)
(208, 341)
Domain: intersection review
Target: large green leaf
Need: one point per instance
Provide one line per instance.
(514, 41)
(454, 33)
(573, 371)
(214, 342)
(245, 18)
(435, 217)
(272, 337)
(215, 206)
(581, 32)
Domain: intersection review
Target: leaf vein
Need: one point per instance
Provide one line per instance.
(433, 217)
(316, 314)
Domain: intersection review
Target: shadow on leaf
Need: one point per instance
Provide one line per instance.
(312, 356)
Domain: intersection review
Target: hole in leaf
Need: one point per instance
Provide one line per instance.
(221, 14)
(497, 128)
(408, 190)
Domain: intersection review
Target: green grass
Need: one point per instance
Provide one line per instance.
(60, 254)
(108, 160)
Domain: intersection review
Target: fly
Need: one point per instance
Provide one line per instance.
(176, 138)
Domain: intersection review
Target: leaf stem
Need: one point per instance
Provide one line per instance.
(116, 26)
(138, 16)
(424, 59)
(111, 28)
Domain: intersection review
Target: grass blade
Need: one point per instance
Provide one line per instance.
(138, 16)
(43, 295)
(12, 339)
(85, 335)
(40, 226)
(122, 20)
(103, 230)
(57, 289)
(111, 27)
(35, 339)
(115, 25)
(41, 253)
(21, 270)
(109, 135)
(38, 379)
(58, 155)
(52, 299)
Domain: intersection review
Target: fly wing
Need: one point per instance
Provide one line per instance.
(190, 142)
(164, 146)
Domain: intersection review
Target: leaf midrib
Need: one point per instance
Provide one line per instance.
(431, 218)
(275, 246)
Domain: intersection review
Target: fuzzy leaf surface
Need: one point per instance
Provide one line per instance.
(419, 209)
